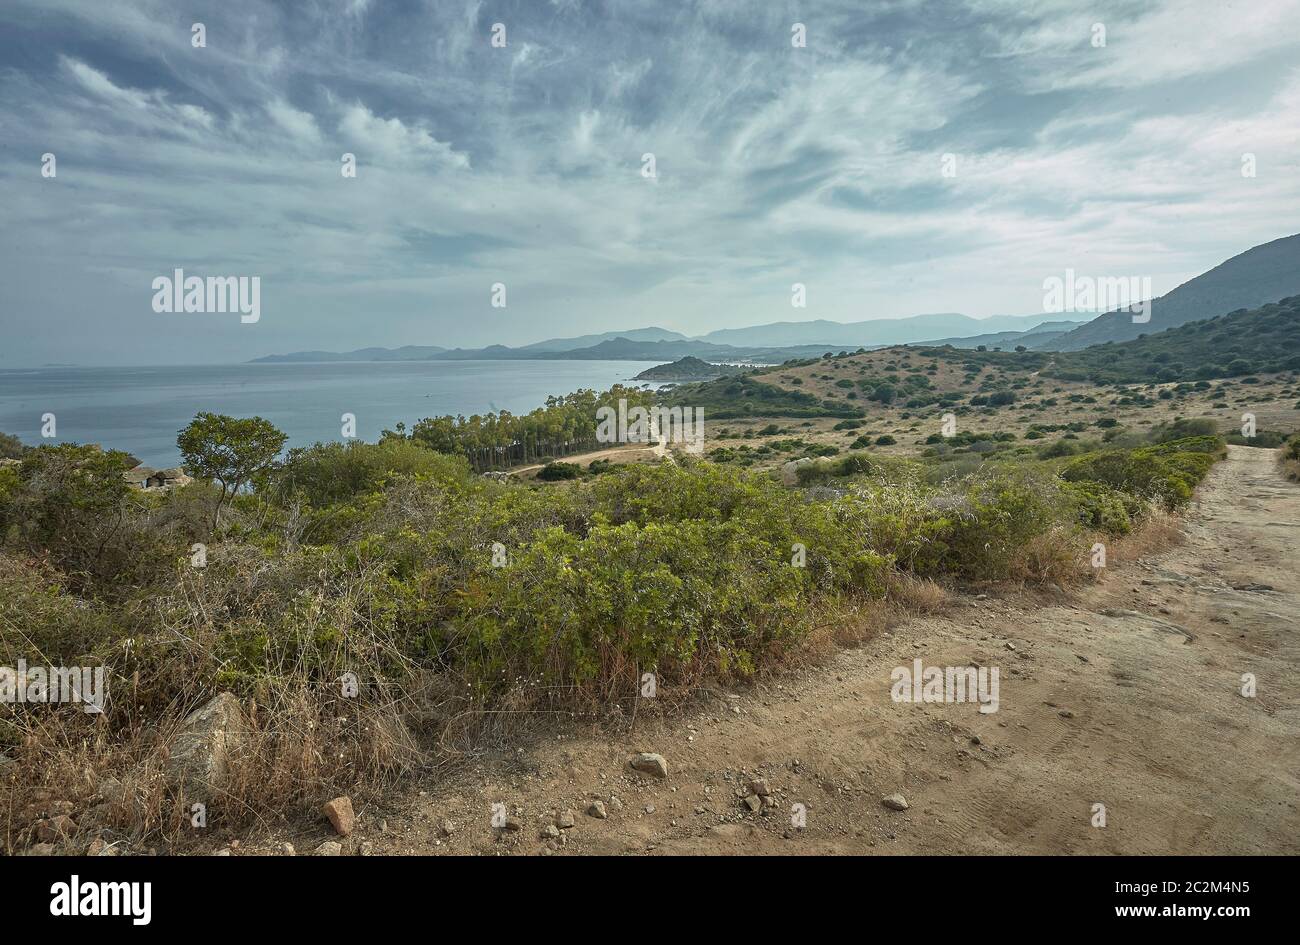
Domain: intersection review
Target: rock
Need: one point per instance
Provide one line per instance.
(754, 803)
(597, 809)
(100, 847)
(651, 764)
(328, 848)
(287, 849)
(790, 471)
(446, 828)
(895, 802)
(200, 754)
(760, 787)
(565, 821)
(341, 816)
(513, 825)
(224, 851)
(111, 790)
(59, 827)
(550, 831)
(39, 849)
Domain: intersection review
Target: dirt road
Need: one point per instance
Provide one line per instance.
(1127, 696)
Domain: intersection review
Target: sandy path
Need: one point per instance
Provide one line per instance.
(1124, 711)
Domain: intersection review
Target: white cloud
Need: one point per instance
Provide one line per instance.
(391, 139)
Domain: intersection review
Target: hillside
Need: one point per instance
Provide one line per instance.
(687, 369)
(1266, 273)
(1261, 340)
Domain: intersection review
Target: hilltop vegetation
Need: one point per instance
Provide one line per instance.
(1259, 341)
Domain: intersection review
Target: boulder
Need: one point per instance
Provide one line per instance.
(790, 471)
(200, 754)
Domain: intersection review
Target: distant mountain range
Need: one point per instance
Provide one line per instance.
(1266, 273)
(778, 340)
(879, 332)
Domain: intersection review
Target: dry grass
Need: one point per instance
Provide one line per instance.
(1159, 531)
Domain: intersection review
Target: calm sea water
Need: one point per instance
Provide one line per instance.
(140, 410)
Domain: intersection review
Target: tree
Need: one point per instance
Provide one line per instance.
(229, 450)
(11, 447)
(70, 500)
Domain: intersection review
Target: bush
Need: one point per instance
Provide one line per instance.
(11, 447)
(327, 473)
(1103, 509)
(553, 472)
(1167, 472)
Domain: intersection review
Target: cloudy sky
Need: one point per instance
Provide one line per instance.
(523, 165)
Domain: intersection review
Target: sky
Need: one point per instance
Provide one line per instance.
(523, 164)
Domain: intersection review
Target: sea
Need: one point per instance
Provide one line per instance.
(141, 409)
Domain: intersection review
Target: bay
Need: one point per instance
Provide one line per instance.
(141, 409)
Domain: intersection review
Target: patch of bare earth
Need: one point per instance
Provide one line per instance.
(1128, 695)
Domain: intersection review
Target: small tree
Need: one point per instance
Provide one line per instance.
(231, 451)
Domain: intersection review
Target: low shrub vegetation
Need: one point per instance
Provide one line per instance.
(450, 597)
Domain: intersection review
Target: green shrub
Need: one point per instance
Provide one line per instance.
(553, 472)
(1101, 508)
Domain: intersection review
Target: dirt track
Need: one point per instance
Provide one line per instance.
(1141, 711)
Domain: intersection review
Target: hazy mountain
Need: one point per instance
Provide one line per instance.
(877, 332)
(1036, 338)
(1267, 273)
(404, 353)
(586, 341)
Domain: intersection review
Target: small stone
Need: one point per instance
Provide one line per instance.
(649, 763)
(39, 849)
(341, 816)
(328, 848)
(513, 825)
(287, 849)
(760, 787)
(550, 831)
(60, 827)
(224, 851)
(447, 828)
(1066, 714)
(753, 803)
(895, 802)
(597, 809)
(565, 821)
